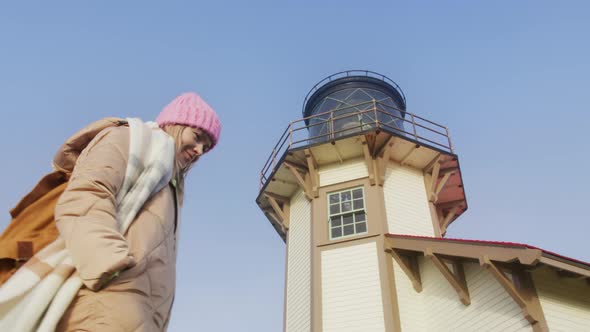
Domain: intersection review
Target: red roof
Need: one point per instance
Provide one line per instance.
(493, 243)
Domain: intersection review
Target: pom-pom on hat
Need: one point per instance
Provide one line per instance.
(191, 110)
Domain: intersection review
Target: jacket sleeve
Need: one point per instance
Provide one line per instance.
(86, 213)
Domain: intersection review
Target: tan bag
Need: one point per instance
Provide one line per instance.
(32, 226)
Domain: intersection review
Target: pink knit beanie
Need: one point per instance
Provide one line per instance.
(191, 110)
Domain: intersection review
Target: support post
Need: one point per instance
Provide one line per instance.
(368, 160)
(383, 160)
(312, 166)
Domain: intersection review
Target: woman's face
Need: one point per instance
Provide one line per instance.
(194, 143)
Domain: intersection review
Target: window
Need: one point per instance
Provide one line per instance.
(346, 210)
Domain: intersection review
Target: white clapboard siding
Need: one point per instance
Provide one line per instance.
(411, 310)
(438, 308)
(338, 173)
(351, 289)
(298, 308)
(406, 203)
(565, 301)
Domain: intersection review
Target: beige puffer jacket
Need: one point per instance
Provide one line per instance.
(141, 296)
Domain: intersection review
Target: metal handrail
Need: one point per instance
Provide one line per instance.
(287, 141)
(345, 108)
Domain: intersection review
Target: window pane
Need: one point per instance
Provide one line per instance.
(336, 232)
(336, 221)
(359, 216)
(345, 195)
(349, 229)
(346, 206)
(358, 204)
(361, 227)
(347, 219)
(357, 193)
(334, 209)
(334, 198)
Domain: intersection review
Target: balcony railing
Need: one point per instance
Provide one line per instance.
(366, 116)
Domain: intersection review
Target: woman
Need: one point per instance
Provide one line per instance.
(129, 279)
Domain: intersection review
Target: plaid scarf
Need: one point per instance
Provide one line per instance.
(37, 295)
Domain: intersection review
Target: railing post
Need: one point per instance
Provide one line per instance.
(331, 133)
(375, 110)
(291, 135)
(414, 127)
(449, 138)
(274, 156)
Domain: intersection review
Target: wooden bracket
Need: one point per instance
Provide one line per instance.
(529, 293)
(276, 220)
(297, 166)
(409, 265)
(508, 285)
(305, 185)
(433, 181)
(277, 197)
(457, 279)
(440, 186)
(312, 166)
(569, 274)
(450, 204)
(445, 171)
(436, 159)
(434, 186)
(446, 220)
(368, 160)
(280, 205)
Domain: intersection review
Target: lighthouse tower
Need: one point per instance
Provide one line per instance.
(356, 167)
(362, 192)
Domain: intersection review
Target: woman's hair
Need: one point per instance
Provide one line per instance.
(179, 173)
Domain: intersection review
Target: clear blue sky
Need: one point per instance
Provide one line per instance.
(509, 78)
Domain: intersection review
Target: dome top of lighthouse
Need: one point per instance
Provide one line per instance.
(350, 88)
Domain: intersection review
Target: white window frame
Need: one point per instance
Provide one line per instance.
(352, 212)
